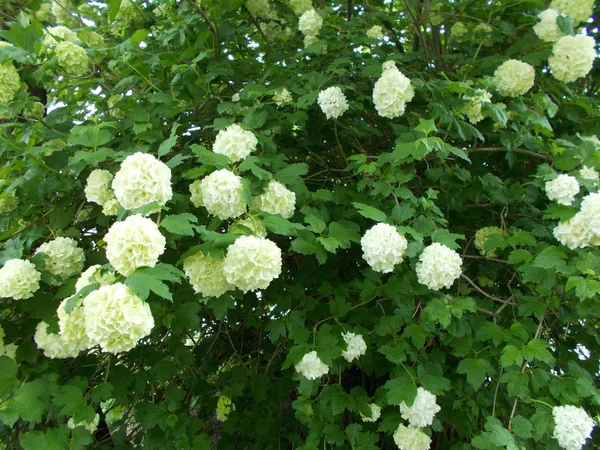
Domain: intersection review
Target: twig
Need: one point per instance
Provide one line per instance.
(260, 30)
(29, 225)
(482, 292)
(504, 149)
(211, 25)
(485, 258)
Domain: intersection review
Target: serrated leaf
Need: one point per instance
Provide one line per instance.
(511, 355)
(291, 174)
(278, 225)
(181, 224)
(400, 389)
(369, 212)
(209, 158)
(537, 349)
(475, 369)
(166, 146)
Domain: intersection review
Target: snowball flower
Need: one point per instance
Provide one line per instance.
(92, 275)
(375, 413)
(576, 233)
(132, 243)
(141, 180)
(196, 193)
(383, 247)
(10, 83)
(572, 57)
(92, 39)
(222, 194)
(457, 31)
(422, 411)
(206, 276)
(310, 23)
(438, 266)
(91, 426)
(355, 346)
(300, 6)
(61, 32)
(19, 279)
(547, 29)
(578, 10)
(590, 212)
(282, 97)
(375, 32)
(72, 326)
(235, 143)
(562, 189)
(116, 318)
(572, 426)
(332, 102)
(97, 188)
(72, 58)
(392, 92)
(311, 366)
(589, 173)
(482, 235)
(63, 257)
(252, 263)
(61, 10)
(53, 345)
(111, 207)
(224, 408)
(514, 78)
(277, 199)
(409, 438)
(474, 108)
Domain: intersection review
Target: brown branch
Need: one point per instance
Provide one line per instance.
(485, 294)
(262, 33)
(211, 25)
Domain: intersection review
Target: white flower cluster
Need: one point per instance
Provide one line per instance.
(222, 194)
(311, 366)
(92, 275)
(90, 426)
(482, 235)
(282, 97)
(72, 58)
(235, 143)
(383, 247)
(547, 29)
(572, 426)
(572, 57)
(422, 411)
(409, 438)
(514, 78)
(332, 102)
(277, 199)
(134, 242)
(438, 266)
(72, 329)
(63, 257)
(300, 6)
(206, 276)
(116, 318)
(62, 32)
(53, 345)
(97, 188)
(375, 32)
(19, 279)
(392, 92)
(310, 24)
(224, 408)
(578, 10)
(375, 413)
(562, 189)
(142, 179)
(589, 173)
(252, 263)
(582, 230)
(355, 346)
(10, 83)
(474, 108)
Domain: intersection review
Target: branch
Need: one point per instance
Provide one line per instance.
(485, 294)
(504, 149)
(260, 30)
(211, 25)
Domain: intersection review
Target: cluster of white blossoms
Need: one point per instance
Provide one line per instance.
(422, 411)
(97, 190)
(583, 229)
(252, 263)
(282, 97)
(482, 235)
(277, 199)
(572, 57)
(224, 408)
(116, 318)
(589, 173)
(514, 78)
(255, 225)
(578, 10)
(10, 83)
(90, 426)
(134, 242)
(222, 194)
(332, 102)
(72, 58)
(409, 438)
(62, 32)
(375, 32)
(473, 110)
(310, 24)
(383, 247)
(92, 275)
(71, 327)
(53, 345)
(572, 426)
(63, 257)
(355, 346)
(300, 6)
(235, 143)
(392, 92)
(142, 179)
(438, 266)
(206, 275)
(375, 413)
(19, 279)
(547, 29)
(311, 366)
(562, 189)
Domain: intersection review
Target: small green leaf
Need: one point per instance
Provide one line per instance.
(209, 158)
(401, 389)
(370, 212)
(475, 370)
(181, 224)
(166, 146)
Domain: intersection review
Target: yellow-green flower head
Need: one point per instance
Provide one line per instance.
(300, 6)
(44, 13)
(277, 199)
(458, 31)
(19, 279)
(514, 78)
(224, 408)
(578, 10)
(128, 12)
(482, 235)
(63, 257)
(62, 11)
(206, 276)
(222, 194)
(116, 319)
(97, 188)
(72, 327)
(61, 32)
(10, 83)
(91, 39)
(36, 111)
(8, 202)
(92, 275)
(72, 58)
(53, 345)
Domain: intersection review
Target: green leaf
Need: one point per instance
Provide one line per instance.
(147, 279)
(70, 400)
(565, 24)
(166, 146)
(181, 224)
(250, 164)
(344, 232)
(209, 158)
(291, 175)
(113, 8)
(29, 403)
(511, 355)
(89, 136)
(8, 375)
(519, 256)
(537, 349)
(475, 370)
(403, 212)
(426, 126)
(370, 212)
(278, 225)
(446, 238)
(521, 427)
(51, 439)
(490, 331)
(436, 384)
(401, 389)
(253, 118)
